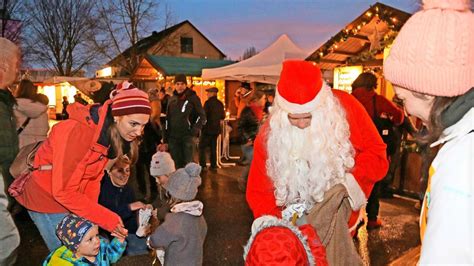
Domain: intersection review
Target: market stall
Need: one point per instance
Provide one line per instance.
(361, 46)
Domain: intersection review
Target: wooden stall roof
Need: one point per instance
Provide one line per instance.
(170, 66)
(368, 32)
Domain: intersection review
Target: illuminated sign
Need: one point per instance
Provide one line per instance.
(204, 83)
(344, 76)
(104, 72)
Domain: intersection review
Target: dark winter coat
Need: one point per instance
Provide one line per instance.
(215, 113)
(249, 124)
(118, 199)
(180, 113)
(8, 135)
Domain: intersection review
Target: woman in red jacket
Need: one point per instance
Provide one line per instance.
(74, 157)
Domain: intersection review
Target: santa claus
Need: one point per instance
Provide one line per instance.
(314, 139)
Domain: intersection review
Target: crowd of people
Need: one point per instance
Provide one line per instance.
(315, 159)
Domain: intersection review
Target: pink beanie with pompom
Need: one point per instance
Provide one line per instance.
(434, 51)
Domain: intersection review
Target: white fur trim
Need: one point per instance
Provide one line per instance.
(294, 108)
(268, 221)
(356, 195)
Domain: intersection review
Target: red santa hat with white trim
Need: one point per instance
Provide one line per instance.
(299, 85)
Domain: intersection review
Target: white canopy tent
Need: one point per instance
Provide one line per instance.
(264, 67)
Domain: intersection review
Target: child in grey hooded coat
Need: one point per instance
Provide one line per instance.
(183, 232)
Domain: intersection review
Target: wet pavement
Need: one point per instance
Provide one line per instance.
(229, 220)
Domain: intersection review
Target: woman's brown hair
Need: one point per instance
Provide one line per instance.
(117, 144)
(26, 89)
(256, 95)
(435, 125)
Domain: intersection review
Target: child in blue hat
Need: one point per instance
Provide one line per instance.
(82, 244)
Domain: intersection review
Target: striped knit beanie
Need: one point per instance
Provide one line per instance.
(434, 51)
(127, 99)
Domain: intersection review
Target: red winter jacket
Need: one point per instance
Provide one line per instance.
(370, 160)
(78, 161)
(365, 97)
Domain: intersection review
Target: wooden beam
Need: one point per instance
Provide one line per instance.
(373, 62)
(360, 37)
(329, 61)
(344, 53)
(365, 46)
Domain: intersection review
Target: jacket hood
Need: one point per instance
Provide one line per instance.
(30, 108)
(458, 109)
(87, 113)
(91, 114)
(462, 127)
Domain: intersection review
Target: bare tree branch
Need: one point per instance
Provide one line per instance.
(123, 23)
(58, 34)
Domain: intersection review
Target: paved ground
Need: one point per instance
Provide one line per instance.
(229, 220)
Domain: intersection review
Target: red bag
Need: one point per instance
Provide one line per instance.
(16, 188)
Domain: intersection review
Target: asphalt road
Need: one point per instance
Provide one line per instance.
(229, 220)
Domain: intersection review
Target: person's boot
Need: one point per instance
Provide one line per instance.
(374, 224)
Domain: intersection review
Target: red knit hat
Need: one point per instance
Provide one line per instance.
(277, 242)
(127, 99)
(299, 84)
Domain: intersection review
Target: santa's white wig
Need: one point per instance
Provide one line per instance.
(305, 163)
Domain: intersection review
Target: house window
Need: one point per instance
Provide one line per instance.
(186, 45)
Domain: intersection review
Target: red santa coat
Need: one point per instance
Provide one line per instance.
(371, 163)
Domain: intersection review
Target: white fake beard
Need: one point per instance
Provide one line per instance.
(304, 163)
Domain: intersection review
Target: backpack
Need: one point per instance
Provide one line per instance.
(386, 131)
(22, 167)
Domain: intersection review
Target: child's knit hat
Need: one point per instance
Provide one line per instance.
(183, 184)
(71, 230)
(434, 51)
(161, 164)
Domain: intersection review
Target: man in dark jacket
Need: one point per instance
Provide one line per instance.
(181, 126)
(215, 114)
(9, 237)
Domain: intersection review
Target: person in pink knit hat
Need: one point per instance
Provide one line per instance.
(431, 66)
(69, 164)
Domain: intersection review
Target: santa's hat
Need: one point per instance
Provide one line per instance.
(277, 242)
(299, 85)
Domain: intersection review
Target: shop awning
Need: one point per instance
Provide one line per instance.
(170, 66)
(264, 67)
